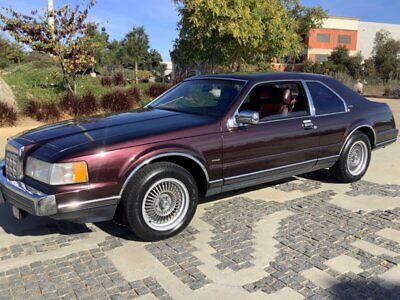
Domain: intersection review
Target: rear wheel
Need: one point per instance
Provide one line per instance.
(354, 160)
(160, 201)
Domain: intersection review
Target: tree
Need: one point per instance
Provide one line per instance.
(233, 32)
(369, 70)
(340, 55)
(111, 58)
(306, 18)
(97, 43)
(65, 37)
(154, 63)
(381, 38)
(386, 56)
(15, 53)
(134, 49)
(10, 52)
(340, 64)
(236, 32)
(3, 52)
(344, 63)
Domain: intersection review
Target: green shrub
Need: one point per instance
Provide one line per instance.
(42, 111)
(39, 60)
(89, 105)
(134, 96)
(119, 79)
(3, 63)
(45, 84)
(79, 106)
(346, 79)
(157, 89)
(392, 89)
(68, 102)
(392, 93)
(118, 101)
(8, 115)
(144, 75)
(106, 81)
(264, 67)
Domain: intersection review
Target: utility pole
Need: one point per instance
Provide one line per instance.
(50, 20)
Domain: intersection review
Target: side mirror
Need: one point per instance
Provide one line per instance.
(248, 117)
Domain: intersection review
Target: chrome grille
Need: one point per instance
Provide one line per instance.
(14, 160)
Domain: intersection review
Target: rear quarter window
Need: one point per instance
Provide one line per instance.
(325, 100)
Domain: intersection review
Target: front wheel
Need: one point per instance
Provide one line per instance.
(354, 160)
(160, 201)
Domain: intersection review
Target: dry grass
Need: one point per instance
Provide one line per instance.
(374, 89)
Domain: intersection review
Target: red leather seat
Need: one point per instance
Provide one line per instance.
(279, 103)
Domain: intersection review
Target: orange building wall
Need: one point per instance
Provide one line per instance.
(313, 43)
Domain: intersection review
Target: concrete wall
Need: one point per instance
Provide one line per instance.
(367, 32)
(362, 36)
(334, 27)
(168, 68)
(341, 23)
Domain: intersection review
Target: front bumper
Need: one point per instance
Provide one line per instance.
(26, 198)
(36, 203)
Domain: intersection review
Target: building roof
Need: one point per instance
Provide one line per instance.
(344, 18)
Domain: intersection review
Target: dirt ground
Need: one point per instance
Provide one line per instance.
(21, 126)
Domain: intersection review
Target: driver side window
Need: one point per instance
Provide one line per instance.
(277, 100)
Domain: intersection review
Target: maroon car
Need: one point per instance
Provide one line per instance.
(205, 136)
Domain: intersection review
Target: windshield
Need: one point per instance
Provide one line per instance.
(202, 96)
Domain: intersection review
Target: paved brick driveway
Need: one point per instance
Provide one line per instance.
(306, 237)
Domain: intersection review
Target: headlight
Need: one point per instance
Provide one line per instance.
(57, 174)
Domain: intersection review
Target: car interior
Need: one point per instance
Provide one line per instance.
(274, 101)
(213, 96)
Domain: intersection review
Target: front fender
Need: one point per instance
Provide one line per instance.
(148, 155)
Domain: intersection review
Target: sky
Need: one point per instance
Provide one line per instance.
(159, 17)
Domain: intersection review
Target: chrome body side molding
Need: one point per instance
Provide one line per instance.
(385, 143)
(282, 167)
(346, 108)
(87, 204)
(146, 162)
(354, 130)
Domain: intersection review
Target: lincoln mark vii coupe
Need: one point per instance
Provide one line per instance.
(205, 136)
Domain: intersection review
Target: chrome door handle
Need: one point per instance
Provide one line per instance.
(307, 125)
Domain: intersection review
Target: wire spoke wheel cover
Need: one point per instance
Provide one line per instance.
(165, 204)
(357, 158)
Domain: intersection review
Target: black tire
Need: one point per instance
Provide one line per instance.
(137, 189)
(342, 170)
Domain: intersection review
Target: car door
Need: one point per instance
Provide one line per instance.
(280, 145)
(331, 112)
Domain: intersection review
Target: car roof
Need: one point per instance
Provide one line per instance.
(265, 76)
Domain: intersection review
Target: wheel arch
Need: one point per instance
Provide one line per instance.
(367, 129)
(192, 164)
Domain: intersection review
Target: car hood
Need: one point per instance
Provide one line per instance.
(61, 139)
